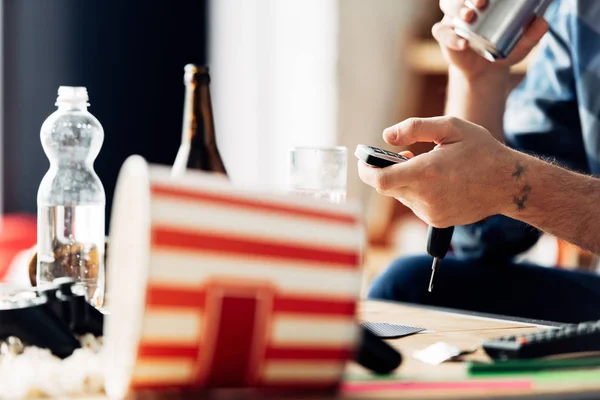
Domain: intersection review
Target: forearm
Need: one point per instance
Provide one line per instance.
(480, 100)
(557, 201)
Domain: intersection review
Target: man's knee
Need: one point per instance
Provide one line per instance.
(404, 280)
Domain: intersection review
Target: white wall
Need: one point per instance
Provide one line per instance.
(234, 55)
(303, 72)
(374, 83)
(273, 71)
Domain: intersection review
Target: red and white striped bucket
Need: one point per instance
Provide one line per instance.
(213, 286)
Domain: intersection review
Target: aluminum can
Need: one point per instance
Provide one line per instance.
(499, 26)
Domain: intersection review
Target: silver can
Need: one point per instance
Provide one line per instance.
(499, 26)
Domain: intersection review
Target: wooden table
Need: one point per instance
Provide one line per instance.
(415, 379)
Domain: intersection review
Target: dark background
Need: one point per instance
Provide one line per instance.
(129, 54)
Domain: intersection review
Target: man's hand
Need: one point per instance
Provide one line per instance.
(458, 182)
(456, 49)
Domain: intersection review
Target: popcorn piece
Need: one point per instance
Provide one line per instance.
(12, 345)
(38, 373)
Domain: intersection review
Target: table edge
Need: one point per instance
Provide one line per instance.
(475, 314)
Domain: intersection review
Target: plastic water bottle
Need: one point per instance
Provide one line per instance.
(71, 200)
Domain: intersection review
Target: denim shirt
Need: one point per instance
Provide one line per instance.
(554, 112)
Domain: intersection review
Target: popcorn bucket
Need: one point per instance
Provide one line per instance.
(213, 286)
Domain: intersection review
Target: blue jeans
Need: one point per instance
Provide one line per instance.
(505, 288)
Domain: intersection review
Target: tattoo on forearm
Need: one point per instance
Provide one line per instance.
(519, 171)
(523, 195)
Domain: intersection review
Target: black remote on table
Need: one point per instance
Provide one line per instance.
(579, 338)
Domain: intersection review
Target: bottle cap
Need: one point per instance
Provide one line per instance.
(193, 72)
(72, 94)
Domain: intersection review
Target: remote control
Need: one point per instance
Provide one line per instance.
(377, 157)
(579, 338)
(375, 354)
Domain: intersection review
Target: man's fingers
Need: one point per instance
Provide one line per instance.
(407, 154)
(453, 7)
(437, 130)
(530, 39)
(479, 3)
(389, 178)
(467, 14)
(534, 33)
(445, 35)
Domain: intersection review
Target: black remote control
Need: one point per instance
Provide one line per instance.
(579, 338)
(377, 157)
(375, 354)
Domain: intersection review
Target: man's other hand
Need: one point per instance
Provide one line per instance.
(459, 182)
(456, 49)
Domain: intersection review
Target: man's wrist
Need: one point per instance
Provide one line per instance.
(513, 177)
(555, 200)
(525, 180)
(479, 99)
(491, 79)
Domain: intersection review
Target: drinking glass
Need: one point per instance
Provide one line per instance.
(319, 172)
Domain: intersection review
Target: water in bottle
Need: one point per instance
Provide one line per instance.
(71, 200)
